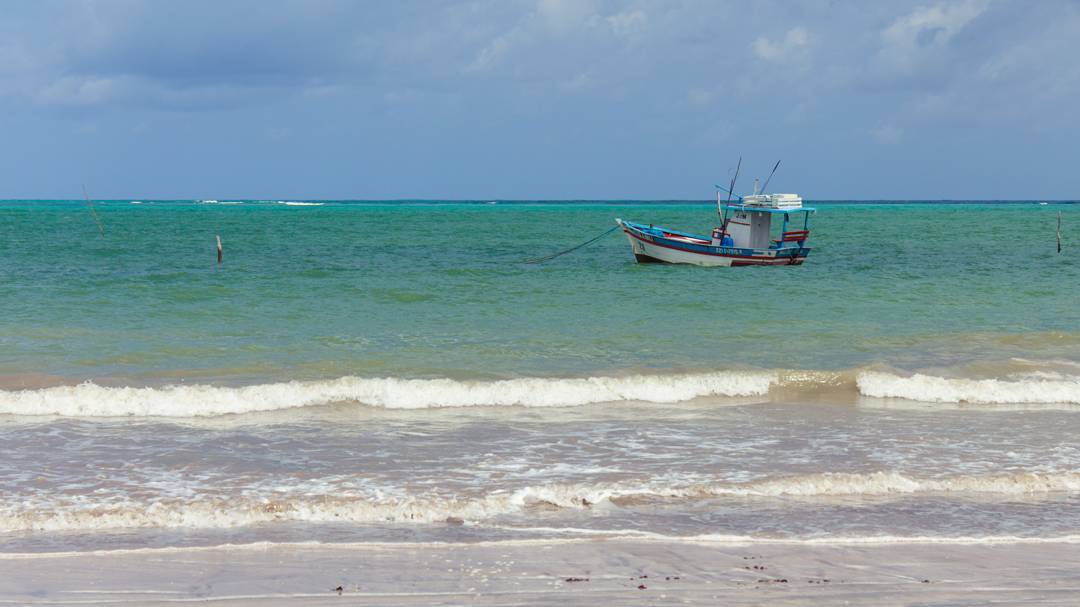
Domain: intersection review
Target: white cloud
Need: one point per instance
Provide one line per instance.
(492, 54)
(627, 23)
(920, 34)
(796, 39)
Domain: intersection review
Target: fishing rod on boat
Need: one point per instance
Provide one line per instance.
(574, 248)
(730, 192)
(723, 189)
(765, 188)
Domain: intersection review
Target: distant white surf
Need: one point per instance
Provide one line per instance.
(300, 204)
(92, 400)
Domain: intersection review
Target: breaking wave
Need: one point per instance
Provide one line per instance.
(927, 388)
(238, 511)
(92, 400)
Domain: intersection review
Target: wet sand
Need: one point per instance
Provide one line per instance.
(585, 572)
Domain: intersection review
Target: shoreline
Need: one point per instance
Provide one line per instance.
(578, 572)
(586, 536)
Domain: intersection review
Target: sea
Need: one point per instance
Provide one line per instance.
(396, 372)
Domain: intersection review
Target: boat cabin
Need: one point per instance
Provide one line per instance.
(763, 221)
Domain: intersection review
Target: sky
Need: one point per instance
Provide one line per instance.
(539, 99)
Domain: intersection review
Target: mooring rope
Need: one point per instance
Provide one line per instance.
(587, 242)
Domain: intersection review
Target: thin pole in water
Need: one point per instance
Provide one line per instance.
(97, 219)
(218, 237)
(1059, 232)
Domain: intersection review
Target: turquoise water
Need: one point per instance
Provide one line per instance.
(439, 290)
(918, 377)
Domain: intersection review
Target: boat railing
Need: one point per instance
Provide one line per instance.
(793, 236)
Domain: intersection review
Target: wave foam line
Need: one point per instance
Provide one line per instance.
(92, 400)
(227, 512)
(927, 388)
(631, 536)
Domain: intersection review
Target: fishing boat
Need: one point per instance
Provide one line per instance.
(755, 230)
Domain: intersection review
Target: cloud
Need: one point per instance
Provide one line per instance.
(493, 53)
(627, 23)
(126, 91)
(921, 34)
(794, 42)
(580, 79)
(565, 15)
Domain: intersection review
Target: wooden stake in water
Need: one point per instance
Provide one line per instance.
(218, 237)
(101, 230)
(1059, 232)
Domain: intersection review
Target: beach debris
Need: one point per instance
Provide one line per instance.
(642, 587)
(454, 520)
(339, 590)
(218, 237)
(101, 229)
(577, 579)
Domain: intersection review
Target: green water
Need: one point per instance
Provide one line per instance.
(422, 290)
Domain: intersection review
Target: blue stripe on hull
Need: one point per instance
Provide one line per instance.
(792, 255)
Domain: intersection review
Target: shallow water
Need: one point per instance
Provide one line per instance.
(389, 372)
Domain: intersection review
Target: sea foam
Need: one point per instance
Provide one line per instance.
(339, 506)
(92, 400)
(928, 388)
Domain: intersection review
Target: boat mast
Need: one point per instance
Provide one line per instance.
(723, 215)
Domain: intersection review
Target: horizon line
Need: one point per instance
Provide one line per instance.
(524, 200)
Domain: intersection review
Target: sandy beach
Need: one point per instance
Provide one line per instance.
(577, 572)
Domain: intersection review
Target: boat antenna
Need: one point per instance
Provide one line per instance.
(731, 188)
(765, 188)
(730, 192)
(97, 219)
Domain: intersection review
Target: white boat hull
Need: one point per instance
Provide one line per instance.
(656, 245)
(647, 252)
